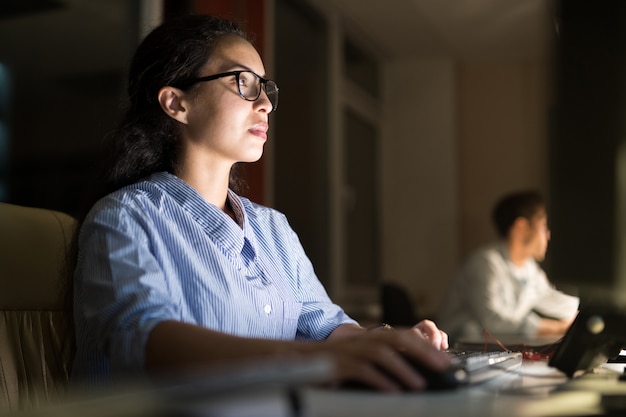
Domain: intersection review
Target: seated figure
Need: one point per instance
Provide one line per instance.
(501, 289)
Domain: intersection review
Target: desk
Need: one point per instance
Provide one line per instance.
(536, 390)
(533, 390)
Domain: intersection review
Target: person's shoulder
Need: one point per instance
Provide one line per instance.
(132, 197)
(137, 193)
(491, 251)
(491, 254)
(535, 268)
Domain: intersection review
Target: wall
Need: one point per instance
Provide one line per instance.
(502, 139)
(458, 136)
(419, 169)
(64, 95)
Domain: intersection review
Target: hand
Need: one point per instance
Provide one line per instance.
(375, 358)
(429, 331)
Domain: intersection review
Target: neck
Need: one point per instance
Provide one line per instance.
(207, 172)
(517, 254)
(210, 185)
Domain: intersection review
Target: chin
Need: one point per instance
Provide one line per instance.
(252, 158)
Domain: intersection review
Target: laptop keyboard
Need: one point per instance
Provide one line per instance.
(481, 366)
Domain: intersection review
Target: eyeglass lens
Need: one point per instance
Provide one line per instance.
(250, 88)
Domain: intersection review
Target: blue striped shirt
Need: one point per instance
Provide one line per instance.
(156, 250)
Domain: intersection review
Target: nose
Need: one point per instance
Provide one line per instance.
(263, 102)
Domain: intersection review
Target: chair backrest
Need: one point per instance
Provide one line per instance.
(36, 330)
(397, 306)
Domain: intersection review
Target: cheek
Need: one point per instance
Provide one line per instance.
(200, 126)
(218, 116)
(537, 240)
(543, 241)
(205, 119)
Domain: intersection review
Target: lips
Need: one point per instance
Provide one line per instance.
(260, 130)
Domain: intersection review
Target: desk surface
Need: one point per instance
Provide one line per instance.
(533, 390)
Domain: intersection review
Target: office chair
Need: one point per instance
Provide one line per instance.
(397, 306)
(36, 330)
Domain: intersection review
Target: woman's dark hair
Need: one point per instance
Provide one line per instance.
(511, 206)
(147, 139)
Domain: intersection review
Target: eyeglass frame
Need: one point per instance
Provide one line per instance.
(263, 81)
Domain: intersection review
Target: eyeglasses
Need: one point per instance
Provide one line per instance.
(248, 83)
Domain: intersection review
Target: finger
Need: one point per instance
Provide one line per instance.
(399, 368)
(428, 354)
(436, 340)
(381, 364)
(369, 374)
(432, 336)
(430, 331)
(445, 344)
(427, 327)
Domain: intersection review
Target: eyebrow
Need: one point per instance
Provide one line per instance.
(235, 66)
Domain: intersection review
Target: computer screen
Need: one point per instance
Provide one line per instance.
(597, 335)
(587, 149)
(587, 169)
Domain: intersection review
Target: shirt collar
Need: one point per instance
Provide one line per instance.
(218, 225)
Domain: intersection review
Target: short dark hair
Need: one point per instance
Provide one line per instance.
(525, 204)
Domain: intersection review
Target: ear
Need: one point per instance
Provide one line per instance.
(172, 102)
(520, 225)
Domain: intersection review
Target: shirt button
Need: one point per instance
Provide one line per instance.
(267, 309)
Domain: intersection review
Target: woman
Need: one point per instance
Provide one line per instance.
(175, 270)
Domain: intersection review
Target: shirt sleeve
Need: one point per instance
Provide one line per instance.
(551, 302)
(120, 285)
(319, 315)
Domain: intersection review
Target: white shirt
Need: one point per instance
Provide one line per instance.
(491, 293)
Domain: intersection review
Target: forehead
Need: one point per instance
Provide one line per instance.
(232, 51)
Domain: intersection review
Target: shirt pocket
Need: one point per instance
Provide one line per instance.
(292, 311)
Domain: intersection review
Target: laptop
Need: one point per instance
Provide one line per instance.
(467, 368)
(481, 366)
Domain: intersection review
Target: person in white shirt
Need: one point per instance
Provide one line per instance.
(501, 289)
